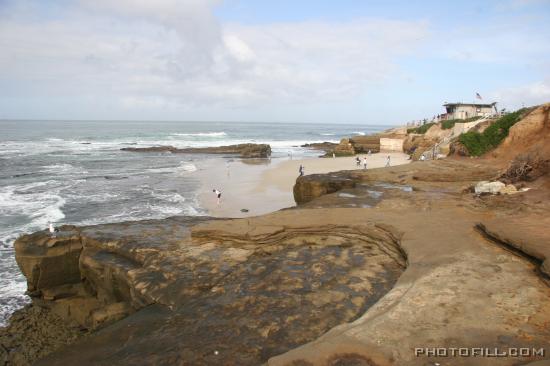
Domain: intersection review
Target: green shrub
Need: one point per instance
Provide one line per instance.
(480, 143)
(471, 119)
(421, 129)
(445, 125)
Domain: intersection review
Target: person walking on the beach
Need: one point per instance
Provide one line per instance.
(388, 161)
(333, 155)
(357, 161)
(301, 170)
(365, 163)
(369, 153)
(218, 195)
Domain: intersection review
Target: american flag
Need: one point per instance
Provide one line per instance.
(478, 96)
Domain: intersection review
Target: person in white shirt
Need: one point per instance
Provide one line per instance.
(365, 163)
(218, 195)
(52, 230)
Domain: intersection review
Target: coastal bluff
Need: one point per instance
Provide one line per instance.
(243, 150)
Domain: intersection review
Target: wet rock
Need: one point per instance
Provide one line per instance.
(32, 333)
(195, 291)
(244, 150)
(312, 186)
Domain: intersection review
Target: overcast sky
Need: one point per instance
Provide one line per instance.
(346, 61)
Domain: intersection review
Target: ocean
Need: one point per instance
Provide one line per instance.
(73, 172)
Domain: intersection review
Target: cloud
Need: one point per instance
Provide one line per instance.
(147, 54)
(524, 95)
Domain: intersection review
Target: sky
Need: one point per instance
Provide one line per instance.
(347, 61)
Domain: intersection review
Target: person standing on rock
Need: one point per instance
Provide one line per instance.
(52, 230)
(388, 161)
(218, 195)
(365, 163)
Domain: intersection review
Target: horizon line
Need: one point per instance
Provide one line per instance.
(183, 121)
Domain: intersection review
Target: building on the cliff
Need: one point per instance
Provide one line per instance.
(468, 110)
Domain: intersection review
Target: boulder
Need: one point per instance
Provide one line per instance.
(312, 186)
(489, 187)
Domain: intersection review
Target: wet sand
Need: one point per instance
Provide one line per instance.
(265, 185)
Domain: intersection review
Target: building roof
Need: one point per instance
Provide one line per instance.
(490, 105)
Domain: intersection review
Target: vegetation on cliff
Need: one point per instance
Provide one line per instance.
(479, 143)
(450, 123)
(421, 129)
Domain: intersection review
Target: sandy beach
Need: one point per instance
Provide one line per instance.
(265, 185)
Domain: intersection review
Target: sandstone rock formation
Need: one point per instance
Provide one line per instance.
(312, 186)
(188, 288)
(244, 150)
(327, 147)
(357, 145)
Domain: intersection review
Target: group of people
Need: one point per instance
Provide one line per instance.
(358, 161)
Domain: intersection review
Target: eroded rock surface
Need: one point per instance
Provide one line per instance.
(196, 291)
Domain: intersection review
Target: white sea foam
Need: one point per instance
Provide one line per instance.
(201, 134)
(39, 202)
(168, 196)
(359, 133)
(187, 167)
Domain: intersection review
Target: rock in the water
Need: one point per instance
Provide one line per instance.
(244, 150)
(489, 187)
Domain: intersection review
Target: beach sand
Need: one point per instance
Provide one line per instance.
(265, 185)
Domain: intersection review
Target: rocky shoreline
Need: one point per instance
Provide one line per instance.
(242, 291)
(369, 266)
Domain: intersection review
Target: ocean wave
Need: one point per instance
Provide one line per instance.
(327, 134)
(187, 167)
(39, 202)
(168, 196)
(183, 168)
(62, 169)
(359, 133)
(201, 134)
